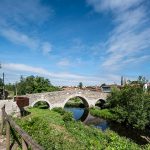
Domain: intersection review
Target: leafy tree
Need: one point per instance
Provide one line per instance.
(32, 84)
(131, 106)
(142, 80)
(80, 85)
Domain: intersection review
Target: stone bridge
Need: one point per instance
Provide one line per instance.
(60, 98)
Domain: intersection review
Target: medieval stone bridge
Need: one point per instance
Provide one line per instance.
(60, 98)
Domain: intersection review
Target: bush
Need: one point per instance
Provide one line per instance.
(131, 105)
(59, 110)
(67, 116)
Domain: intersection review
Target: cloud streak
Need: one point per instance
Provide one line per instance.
(59, 77)
(21, 14)
(24, 13)
(129, 40)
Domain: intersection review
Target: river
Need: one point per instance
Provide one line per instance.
(84, 115)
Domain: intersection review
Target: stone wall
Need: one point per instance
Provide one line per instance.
(10, 107)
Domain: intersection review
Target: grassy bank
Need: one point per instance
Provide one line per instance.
(104, 113)
(57, 130)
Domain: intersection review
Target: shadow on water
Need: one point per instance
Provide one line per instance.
(129, 132)
(78, 113)
(84, 115)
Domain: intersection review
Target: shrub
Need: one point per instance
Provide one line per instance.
(131, 105)
(68, 116)
(59, 110)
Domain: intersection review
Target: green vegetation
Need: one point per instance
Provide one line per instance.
(55, 129)
(1, 83)
(104, 113)
(131, 106)
(75, 102)
(31, 84)
(41, 105)
(80, 85)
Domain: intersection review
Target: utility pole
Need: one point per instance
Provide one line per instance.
(16, 91)
(3, 85)
(122, 80)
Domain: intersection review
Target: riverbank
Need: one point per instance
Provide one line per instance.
(109, 115)
(104, 113)
(56, 129)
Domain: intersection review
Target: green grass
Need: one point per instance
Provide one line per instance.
(75, 102)
(56, 130)
(104, 113)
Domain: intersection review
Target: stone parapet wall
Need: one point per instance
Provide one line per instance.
(59, 98)
(10, 107)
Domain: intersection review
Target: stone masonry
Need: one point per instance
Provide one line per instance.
(60, 98)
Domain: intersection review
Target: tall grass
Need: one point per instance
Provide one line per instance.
(53, 132)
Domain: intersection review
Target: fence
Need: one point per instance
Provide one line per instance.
(11, 129)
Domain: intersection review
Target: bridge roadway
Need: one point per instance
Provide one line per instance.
(60, 98)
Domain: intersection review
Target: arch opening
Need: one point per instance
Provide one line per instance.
(78, 106)
(77, 101)
(100, 103)
(41, 104)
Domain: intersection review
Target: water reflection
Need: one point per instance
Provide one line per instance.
(78, 113)
(84, 115)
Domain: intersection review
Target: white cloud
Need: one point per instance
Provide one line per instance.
(26, 68)
(23, 39)
(46, 47)
(64, 62)
(17, 16)
(24, 12)
(115, 5)
(18, 38)
(130, 37)
(60, 78)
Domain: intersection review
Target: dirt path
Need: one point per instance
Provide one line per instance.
(2, 142)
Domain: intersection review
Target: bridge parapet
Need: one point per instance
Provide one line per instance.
(59, 98)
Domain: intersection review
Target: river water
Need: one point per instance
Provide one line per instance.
(84, 115)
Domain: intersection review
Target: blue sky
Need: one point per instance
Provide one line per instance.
(93, 41)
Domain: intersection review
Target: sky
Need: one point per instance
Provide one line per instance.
(66, 41)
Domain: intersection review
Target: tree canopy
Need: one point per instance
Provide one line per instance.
(80, 85)
(131, 105)
(32, 84)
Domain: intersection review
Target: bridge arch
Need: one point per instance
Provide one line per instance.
(100, 102)
(32, 105)
(83, 98)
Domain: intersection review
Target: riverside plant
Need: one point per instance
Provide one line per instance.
(56, 129)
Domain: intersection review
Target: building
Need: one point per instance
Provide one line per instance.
(107, 88)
